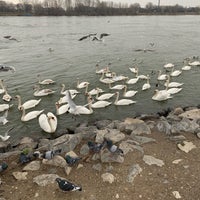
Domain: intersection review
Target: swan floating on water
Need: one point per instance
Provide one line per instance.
(147, 85)
(61, 109)
(72, 91)
(3, 119)
(82, 84)
(48, 122)
(28, 104)
(45, 82)
(168, 65)
(161, 95)
(129, 93)
(29, 116)
(169, 84)
(4, 107)
(2, 90)
(161, 77)
(186, 68)
(43, 92)
(104, 96)
(175, 73)
(122, 101)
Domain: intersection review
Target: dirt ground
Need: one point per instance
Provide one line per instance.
(152, 183)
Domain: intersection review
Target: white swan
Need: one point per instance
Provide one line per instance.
(119, 77)
(122, 101)
(100, 104)
(174, 90)
(147, 85)
(186, 68)
(100, 71)
(82, 84)
(45, 82)
(169, 84)
(104, 96)
(43, 92)
(161, 95)
(2, 90)
(28, 104)
(48, 122)
(116, 87)
(133, 69)
(194, 63)
(6, 96)
(63, 91)
(175, 73)
(168, 65)
(106, 80)
(64, 99)
(93, 91)
(129, 93)
(29, 116)
(161, 77)
(61, 109)
(4, 107)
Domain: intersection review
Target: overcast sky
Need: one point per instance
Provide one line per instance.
(187, 3)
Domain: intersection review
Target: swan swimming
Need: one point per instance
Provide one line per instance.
(2, 90)
(161, 95)
(82, 84)
(168, 65)
(122, 101)
(169, 84)
(3, 118)
(161, 77)
(104, 96)
(116, 87)
(186, 68)
(45, 82)
(175, 73)
(28, 104)
(61, 109)
(4, 107)
(129, 93)
(43, 92)
(29, 116)
(147, 85)
(48, 122)
(72, 91)
(106, 80)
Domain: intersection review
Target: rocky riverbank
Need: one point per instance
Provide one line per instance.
(160, 161)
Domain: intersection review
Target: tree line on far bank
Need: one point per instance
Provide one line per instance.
(89, 8)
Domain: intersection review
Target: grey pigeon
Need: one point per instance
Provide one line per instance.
(65, 185)
(3, 166)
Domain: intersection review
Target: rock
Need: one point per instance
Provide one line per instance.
(68, 170)
(178, 111)
(185, 125)
(150, 160)
(32, 166)
(164, 127)
(97, 167)
(57, 160)
(186, 146)
(177, 138)
(108, 177)
(27, 142)
(71, 153)
(45, 179)
(177, 161)
(79, 166)
(114, 124)
(108, 157)
(191, 114)
(5, 146)
(102, 124)
(114, 135)
(84, 150)
(176, 194)
(133, 172)
(8, 154)
(142, 139)
(87, 132)
(20, 175)
(100, 135)
(198, 135)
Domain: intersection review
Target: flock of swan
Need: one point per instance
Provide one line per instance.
(96, 98)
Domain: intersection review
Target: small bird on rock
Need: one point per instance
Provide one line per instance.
(47, 155)
(72, 160)
(3, 166)
(113, 148)
(24, 158)
(65, 185)
(95, 147)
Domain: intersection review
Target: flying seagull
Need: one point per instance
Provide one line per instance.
(87, 36)
(3, 118)
(6, 136)
(65, 185)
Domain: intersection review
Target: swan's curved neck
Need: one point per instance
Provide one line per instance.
(23, 113)
(63, 88)
(117, 97)
(86, 89)
(125, 89)
(19, 101)
(102, 76)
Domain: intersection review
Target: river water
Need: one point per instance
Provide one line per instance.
(174, 38)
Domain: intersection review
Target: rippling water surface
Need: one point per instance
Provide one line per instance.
(175, 38)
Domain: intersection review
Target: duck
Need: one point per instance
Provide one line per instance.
(2, 90)
(61, 109)
(104, 96)
(147, 85)
(169, 84)
(122, 101)
(43, 92)
(28, 104)
(161, 77)
(116, 87)
(129, 93)
(4, 107)
(82, 84)
(175, 73)
(161, 95)
(31, 115)
(106, 80)
(48, 122)
(72, 91)
(45, 82)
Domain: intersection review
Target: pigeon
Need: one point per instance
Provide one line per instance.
(113, 148)
(24, 158)
(95, 147)
(6, 136)
(47, 155)
(3, 166)
(72, 160)
(65, 185)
